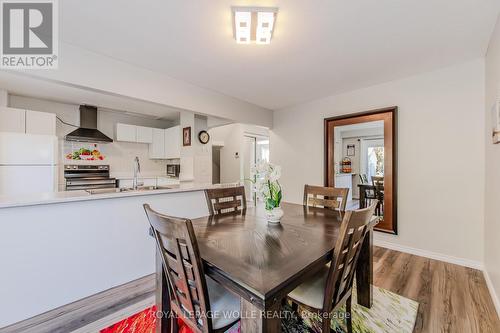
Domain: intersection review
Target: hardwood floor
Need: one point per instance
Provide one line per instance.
(452, 298)
(82, 315)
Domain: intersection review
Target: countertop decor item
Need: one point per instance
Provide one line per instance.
(268, 188)
(346, 165)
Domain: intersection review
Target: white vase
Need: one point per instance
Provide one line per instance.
(274, 215)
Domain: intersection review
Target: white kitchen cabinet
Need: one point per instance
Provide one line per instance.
(12, 120)
(344, 180)
(125, 132)
(40, 123)
(157, 147)
(144, 134)
(173, 142)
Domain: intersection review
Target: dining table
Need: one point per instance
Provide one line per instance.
(262, 262)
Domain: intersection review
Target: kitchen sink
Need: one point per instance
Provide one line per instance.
(128, 189)
(144, 188)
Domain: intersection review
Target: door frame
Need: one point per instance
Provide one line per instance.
(389, 116)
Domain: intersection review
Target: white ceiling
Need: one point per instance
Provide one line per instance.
(361, 126)
(320, 47)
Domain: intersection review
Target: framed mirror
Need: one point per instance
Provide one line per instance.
(360, 154)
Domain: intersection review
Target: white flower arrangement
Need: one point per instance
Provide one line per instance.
(266, 184)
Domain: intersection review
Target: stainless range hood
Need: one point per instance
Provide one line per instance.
(88, 131)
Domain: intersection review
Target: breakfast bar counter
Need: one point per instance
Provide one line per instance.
(84, 195)
(61, 247)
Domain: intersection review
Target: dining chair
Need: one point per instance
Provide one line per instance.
(379, 194)
(363, 178)
(193, 295)
(378, 180)
(328, 290)
(226, 200)
(329, 197)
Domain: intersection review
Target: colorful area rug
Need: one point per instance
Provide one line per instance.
(389, 313)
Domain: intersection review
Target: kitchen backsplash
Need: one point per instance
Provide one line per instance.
(119, 155)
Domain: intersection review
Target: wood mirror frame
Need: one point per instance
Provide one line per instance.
(388, 115)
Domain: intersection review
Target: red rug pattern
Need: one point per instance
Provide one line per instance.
(142, 322)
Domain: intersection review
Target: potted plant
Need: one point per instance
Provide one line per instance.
(268, 189)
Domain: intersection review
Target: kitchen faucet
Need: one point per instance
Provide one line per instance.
(137, 169)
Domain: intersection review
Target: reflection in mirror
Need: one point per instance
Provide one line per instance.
(359, 163)
(360, 156)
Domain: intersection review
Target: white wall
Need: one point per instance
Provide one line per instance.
(232, 165)
(85, 69)
(441, 155)
(119, 155)
(492, 191)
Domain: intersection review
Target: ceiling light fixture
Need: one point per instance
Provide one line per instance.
(254, 24)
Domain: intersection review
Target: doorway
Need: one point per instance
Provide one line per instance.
(256, 149)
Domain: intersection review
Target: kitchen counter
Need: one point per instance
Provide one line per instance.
(81, 195)
(77, 244)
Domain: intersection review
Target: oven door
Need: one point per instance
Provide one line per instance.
(89, 183)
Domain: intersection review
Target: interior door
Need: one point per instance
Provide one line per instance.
(371, 153)
(248, 161)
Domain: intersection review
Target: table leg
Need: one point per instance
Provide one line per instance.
(362, 199)
(364, 272)
(162, 298)
(253, 320)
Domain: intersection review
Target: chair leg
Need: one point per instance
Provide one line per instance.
(174, 324)
(327, 325)
(348, 315)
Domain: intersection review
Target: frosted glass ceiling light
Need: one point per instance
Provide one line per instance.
(242, 23)
(254, 24)
(265, 24)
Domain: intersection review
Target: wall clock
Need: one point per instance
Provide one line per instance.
(204, 137)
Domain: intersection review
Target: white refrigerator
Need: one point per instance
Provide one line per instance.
(28, 163)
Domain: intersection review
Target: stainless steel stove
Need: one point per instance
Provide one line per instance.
(86, 177)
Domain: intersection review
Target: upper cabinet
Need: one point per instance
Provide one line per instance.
(163, 143)
(133, 133)
(125, 132)
(166, 143)
(40, 123)
(27, 121)
(144, 134)
(173, 142)
(157, 147)
(12, 120)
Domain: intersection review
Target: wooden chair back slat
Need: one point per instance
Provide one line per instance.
(219, 206)
(226, 200)
(182, 264)
(332, 197)
(378, 181)
(331, 203)
(345, 256)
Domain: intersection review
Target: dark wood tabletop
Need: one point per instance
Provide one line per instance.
(262, 262)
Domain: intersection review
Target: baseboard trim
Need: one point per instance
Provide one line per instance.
(429, 254)
(491, 289)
